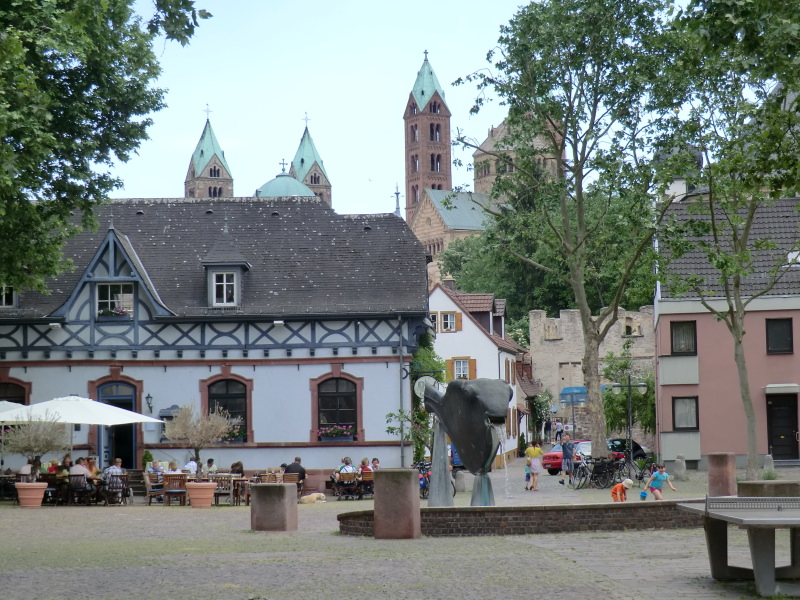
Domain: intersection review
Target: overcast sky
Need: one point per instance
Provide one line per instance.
(261, 65)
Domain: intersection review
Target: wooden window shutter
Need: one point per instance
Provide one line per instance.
(458, 321)
(450, 369)
(472, 367)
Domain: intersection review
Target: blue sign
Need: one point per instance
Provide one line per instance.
(574, 395)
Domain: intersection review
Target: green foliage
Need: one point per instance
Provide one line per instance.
(36, 437)
(522, 445)
(416, 425)
(643, 405)
(583, 80)
(770, 475)
(77, 78)
(147, 457)
(539, 412)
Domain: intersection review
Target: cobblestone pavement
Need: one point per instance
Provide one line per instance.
(174, 552)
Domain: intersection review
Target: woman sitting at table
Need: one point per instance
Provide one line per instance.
(92, 467)
(173, 467)
(237, 468)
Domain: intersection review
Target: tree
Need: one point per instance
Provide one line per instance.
(615, 405)
(746, 128)
(199, 430)
(77, 82)
(36, 438)
(585, 76)
(414, 425)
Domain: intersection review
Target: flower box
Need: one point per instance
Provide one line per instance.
(336, 438)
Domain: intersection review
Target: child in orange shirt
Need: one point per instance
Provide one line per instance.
(619, 493)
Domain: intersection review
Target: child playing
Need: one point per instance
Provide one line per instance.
(656, 482)
(619, 493)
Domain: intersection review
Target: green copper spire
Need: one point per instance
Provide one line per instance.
(206, 148)
(426, 84)
(306, 156)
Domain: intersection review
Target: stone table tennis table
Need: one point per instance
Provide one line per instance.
(761, 517)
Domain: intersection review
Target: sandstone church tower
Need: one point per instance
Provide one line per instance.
(427, 132)
(209, 175)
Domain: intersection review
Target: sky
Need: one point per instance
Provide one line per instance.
(261, 66)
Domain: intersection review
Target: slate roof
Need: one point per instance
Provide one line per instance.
(284, 185)
(304, 258)
(460, 210)
(779, 222)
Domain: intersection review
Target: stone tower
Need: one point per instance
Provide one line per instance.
(427, 127)
(307, 168)
(209, 175)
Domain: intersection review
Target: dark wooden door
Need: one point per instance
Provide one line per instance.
(782, 426)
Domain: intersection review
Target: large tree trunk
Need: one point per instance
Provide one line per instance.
(737, 327)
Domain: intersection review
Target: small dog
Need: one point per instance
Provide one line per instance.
(312, 498)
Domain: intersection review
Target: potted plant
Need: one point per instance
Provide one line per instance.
(336, 433)
(34, 439)
(198, 431)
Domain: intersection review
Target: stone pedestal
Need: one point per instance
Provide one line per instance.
(273, 507)
(678, 469)
(769, 489)
(722, 474)
(397, 515)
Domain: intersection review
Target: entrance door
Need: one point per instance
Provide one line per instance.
(118, 441)
(782, 426)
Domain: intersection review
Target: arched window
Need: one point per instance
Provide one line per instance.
(415, 193)
(437, 133)
(210, 192)
(433, 131)
(314, 178)
(337, 402)
(436, 163)
(214, 172)
(413, 108)
(416, 133)
(230, 395)
(433, 162)
(415, 163)
(11, 392)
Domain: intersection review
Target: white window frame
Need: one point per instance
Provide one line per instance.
(115, 297)
(224, 282)
(448, 321)
(8, 299)
(461, 368)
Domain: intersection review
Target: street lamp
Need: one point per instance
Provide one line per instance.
(149, 400)
(617, 388)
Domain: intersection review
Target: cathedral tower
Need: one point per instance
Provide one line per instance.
(307, 168)
(427, 126)
(209, 175)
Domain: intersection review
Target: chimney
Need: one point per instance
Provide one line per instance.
(449, 282)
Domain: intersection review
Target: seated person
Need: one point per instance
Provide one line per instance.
(173, 467)
(27, 469)
(191, 466)
(376, 464)
(345, 467)
(53, 467)
(296, 467)
(155, 467)
(210, 467)
(92, 467)
(237, 468)
(364, 466)
(79, 469)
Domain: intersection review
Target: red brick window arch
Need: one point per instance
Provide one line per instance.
(336, 399)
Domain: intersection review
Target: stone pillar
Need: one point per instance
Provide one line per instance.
(722, 474)
(273, 507)
(678, 470)
(397, 514)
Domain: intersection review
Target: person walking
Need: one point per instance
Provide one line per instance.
(559, 430)
(656, 482)
(534, 453)
(567, 455)
(548, 430)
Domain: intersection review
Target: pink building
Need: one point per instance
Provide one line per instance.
(698, 404)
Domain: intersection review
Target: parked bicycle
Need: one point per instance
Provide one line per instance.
(424, 468)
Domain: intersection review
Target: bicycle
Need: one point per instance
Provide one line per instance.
(642, 473)
(424, 468)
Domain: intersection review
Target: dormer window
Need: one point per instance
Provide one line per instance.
(114, 299)
(225, 288)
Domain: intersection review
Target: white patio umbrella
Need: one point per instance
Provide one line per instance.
(75, 410)
(5, 406)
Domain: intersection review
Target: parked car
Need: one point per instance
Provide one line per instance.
(618, 445)
(552, 460)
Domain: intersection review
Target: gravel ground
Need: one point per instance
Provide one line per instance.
(175, 552)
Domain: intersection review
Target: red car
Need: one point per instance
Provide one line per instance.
(552, 460)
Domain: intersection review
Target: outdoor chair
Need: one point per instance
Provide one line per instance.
(366, 487)
(174, 487)
(152, 487)
(117, 489)
(347, 486)
(224, 487)
(79, 489)
(293, 478)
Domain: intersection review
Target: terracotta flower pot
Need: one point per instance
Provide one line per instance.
(30, 494)
(201, 494)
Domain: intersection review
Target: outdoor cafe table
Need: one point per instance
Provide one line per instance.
(760, 516)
